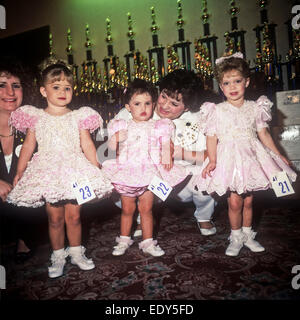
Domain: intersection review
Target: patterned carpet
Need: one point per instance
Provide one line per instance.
(193, 268)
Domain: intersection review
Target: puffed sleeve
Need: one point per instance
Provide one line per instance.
(24, 118)
(116, 125)
(262, 112)
(123, 114)
(164, 128)
(89, 119)
(208, 118)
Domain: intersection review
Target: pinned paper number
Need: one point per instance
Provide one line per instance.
(281, 185)
(83, 191)
(160, 188)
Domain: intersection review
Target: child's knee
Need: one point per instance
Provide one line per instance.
(248, 202)
(145, 208)
(128, 209)
(235, 204)
(73, 219)
(56, 222)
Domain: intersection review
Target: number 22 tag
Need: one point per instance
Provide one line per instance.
(160, 188)
(83, 191)
(281, 185)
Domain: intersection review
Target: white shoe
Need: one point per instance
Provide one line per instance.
(205, 231)
(122, 246)
(252, 244)
(78, 258)
(150, 246)
(58, 262)
(236, 244)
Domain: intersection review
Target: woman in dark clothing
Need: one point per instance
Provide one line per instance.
(12, 82)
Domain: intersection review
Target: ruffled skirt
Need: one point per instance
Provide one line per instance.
(48, 178)
(140, 175)
(242, 168)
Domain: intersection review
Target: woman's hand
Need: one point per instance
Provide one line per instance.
(207, 170)
(5, 188)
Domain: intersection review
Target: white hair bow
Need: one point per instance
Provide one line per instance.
(235, 55)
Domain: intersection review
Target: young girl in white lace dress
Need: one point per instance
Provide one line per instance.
(242, 155)
(143, 151)
(66, 153)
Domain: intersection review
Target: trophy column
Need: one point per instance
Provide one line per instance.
(182, 43)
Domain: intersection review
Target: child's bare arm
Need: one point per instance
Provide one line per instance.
(115, 139)
(167, 152)
(266, 139)
(25, 154)
(211, 144)
(88, 147)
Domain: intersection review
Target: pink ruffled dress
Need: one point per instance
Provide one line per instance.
(59, 160)
(139, 156)
(243, 163)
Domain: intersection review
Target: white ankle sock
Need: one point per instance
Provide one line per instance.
(59, 251)
(247, 229)
(149, 239)
(236, 232)
(124, 237)
(74, 249)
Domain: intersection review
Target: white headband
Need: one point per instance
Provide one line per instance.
(235, 55)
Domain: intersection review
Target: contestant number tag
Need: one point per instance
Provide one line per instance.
(83, 191)
(160, 188)
(281, 185)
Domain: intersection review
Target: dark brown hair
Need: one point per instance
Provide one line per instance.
(187, 84)
(140, 86)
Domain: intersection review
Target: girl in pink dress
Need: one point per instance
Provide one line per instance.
(242, 155)
(66, 153)
(143, 151)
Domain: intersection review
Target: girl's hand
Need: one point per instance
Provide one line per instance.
(285, 160)
(5, 188)
(18, 176)
(169, 165)
(207, 170)
(122, 135)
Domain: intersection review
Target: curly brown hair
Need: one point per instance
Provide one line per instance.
(232, 63)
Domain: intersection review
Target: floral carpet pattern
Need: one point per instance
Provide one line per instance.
(193, 268)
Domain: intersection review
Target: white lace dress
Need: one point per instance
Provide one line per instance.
(59, 160)
(243, 163)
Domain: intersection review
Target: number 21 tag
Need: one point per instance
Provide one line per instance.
(160, 188)
(83, 191)
(281, 185)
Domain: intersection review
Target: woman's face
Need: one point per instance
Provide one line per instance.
(168, 107)
(11, 92)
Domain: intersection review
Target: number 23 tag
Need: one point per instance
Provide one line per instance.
(83, 191)
(281, 185)
(160, 188)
